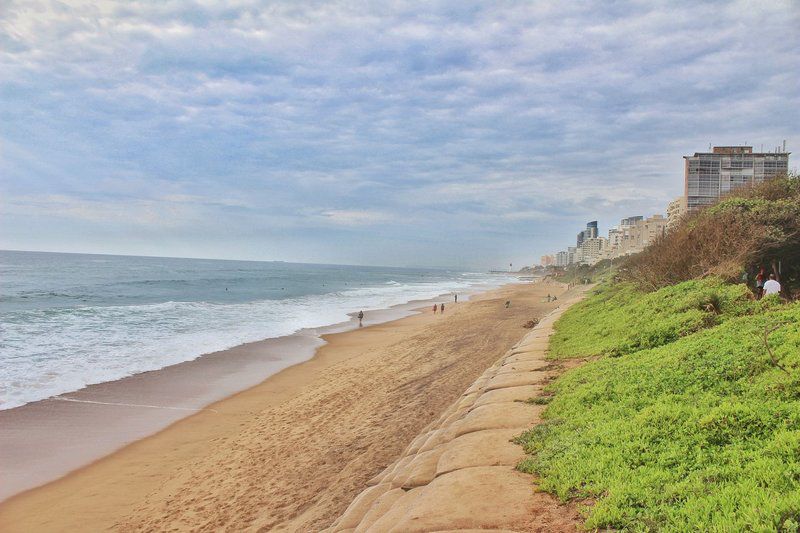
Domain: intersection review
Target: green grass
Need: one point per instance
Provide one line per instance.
(697, 431)
(602, 271)
(619, 319)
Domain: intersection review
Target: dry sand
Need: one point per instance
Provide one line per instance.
(290, 453)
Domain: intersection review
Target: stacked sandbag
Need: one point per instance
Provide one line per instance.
(459, 473)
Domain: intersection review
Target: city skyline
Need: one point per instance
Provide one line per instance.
(708, 176)
(449, 135)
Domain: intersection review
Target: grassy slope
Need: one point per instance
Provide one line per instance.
(618, 319)
(688, 426)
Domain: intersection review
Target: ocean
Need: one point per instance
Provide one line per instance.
(71, 320)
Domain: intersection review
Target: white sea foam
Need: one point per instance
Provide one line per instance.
(48, 352)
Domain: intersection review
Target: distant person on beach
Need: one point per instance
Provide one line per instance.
(772, 286)
(441, 308)
(435, 307)
(508, 304)
(360, 317)
(455, 298)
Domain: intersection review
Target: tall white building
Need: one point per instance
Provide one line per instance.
(709, 175)
(592, 250)
(675, 211)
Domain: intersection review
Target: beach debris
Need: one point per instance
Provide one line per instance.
(531, 323)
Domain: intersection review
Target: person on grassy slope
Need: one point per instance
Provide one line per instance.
(772, 286)
(760, 282)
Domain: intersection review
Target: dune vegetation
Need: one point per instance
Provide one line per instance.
(686, 414)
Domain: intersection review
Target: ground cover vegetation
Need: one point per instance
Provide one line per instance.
(699, 430)
(620, 319)
(686, 415)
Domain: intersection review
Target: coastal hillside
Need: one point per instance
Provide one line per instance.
(750, 228)
(686, 414)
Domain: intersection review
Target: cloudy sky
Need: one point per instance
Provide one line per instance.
(450, 133)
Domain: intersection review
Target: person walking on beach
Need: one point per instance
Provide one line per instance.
(435, 307)
(441, 308)
(360, 317)
(772, 286)
(455, 298)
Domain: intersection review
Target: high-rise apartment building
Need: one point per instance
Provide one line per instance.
(591, 250)
(675, 211)
(572, 252)
(709, 175)
(589, 233)
(637, 233)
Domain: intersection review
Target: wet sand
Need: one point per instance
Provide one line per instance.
(292, 451)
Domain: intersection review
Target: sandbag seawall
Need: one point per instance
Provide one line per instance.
(459, 473)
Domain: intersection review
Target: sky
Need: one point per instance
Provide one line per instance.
(444, 133)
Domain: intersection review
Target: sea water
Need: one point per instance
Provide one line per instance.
(71, 320)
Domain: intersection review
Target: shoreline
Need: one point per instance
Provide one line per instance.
(293, 450)
(47, 439)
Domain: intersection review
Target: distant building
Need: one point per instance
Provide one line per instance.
(592, 250)
(675, 211)
(547, 260)
(630, 221)
(641, 234)
(632, 235)
(571, 255)
(709, 175)
(589, 233)
(615, 235)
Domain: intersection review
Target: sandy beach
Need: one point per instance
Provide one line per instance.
(291, 452)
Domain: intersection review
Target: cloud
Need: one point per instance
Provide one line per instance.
(289, 117)
(356, 217)
(143, 213)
